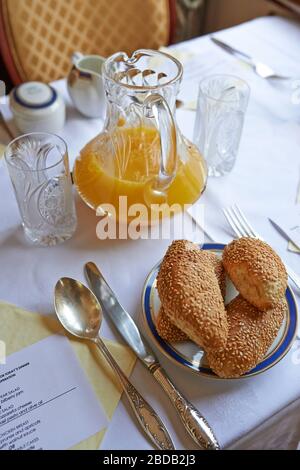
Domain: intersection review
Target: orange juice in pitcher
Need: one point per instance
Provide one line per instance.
(140, 154)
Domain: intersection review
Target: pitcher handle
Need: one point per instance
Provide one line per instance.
(156, 107)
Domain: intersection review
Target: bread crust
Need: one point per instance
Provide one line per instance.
(251, 333)
(170, 332)
(189, 292)
(167, 330)
(256, 271)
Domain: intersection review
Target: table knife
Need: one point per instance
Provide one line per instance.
(231, 50)
(261, 69)
(192, 419)
(283, 232)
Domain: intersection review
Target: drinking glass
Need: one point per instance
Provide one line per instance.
(38, 166)
(221, 108)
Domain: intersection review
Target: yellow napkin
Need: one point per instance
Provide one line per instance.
(19, 328)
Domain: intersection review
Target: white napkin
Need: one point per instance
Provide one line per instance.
(291, 246)
(289, 224)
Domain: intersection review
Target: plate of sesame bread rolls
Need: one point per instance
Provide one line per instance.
(221, 311)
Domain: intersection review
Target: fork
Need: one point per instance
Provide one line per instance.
(262, 70)
(242, 228)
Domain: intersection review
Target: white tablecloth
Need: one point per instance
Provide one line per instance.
(264, 179)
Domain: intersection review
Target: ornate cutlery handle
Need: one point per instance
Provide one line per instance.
(146, 416)
(193, 421)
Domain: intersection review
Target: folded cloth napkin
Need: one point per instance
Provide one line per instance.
(20, 328)
(291, 245)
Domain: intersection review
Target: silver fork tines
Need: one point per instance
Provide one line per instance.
(242, 228)
(236, 218)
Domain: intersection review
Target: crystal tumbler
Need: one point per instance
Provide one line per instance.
(221, 108)
(38, 166)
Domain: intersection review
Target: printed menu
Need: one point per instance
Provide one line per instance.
(46, 401)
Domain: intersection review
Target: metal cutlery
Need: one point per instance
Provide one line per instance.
(261, 69)
(284, 234)
(242, 228)
(80, 313)
(191, 418)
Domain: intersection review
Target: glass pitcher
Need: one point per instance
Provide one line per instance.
(140, 154)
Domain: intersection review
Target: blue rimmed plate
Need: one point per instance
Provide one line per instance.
(189, 355)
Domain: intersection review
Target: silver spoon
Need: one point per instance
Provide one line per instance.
(80, 313)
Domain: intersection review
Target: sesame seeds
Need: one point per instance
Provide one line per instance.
(191, 287)
(256, 271)
(189, 291)
(167, 330)
(251, 332)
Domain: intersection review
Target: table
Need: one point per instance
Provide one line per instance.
(264, 179)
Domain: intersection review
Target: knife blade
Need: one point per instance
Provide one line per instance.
(120, 318)
(192, 419)
(231, 50)
(285, 234)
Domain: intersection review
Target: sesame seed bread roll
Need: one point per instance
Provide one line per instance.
(170, 332)
(251, 333)
(219, 272)
(256, 271)
(166, 330)
(189, 292)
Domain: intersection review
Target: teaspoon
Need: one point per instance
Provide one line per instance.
(80, 313)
